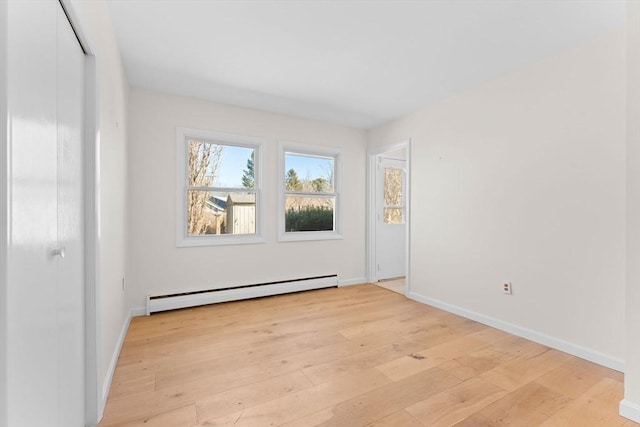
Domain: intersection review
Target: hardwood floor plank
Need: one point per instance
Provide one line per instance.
(352, 356)
(428, 358)
(124, 385)
(521, 370)
(390, 398)
(371, 326)
(597, 407)
(241, 398)
(573, 377)
(540, 398)
(399, 419)
(181, 417)
(362, 360)
(272, 367)
(307, 402)
(457, 403)
(505, 412)
(512, 346)
(221, 360)
(475, 363)
(312, 420)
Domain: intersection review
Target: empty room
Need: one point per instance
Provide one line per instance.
(319, 213)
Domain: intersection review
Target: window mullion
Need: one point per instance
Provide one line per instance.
(309, 194)
(224, 189)
(189, 188)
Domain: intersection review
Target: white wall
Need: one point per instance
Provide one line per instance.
(157, 266)
(4, 212)
(113, 88)
(631, 405)
(523, 179)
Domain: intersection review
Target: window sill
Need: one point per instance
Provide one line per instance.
(223, 240)
(301, 236)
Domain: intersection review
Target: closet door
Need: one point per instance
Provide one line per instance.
(32, 336)
(45, 346)
(70, 96)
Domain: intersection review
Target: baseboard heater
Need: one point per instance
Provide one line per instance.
(157, 303)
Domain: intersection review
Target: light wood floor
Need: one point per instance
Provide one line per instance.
(395, 285)
(353, 356)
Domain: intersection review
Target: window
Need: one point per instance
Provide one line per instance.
(218, 188)
(309, 197)
(393, 190)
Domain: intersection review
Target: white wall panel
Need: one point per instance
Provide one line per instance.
(157, 266)
(522, 179)
(631, 404)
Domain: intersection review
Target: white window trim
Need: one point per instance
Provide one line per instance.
(184, 240)
(310, 150)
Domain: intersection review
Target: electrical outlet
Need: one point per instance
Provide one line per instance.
(506, 288)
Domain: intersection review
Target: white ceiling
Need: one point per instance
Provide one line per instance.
(356, 63)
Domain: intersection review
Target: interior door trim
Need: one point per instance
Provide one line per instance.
(94, 402)
(372, 156)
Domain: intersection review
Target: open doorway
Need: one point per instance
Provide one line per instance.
(388, 217)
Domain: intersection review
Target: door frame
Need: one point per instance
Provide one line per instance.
(93, 405)
(372, 187)
(4, 211)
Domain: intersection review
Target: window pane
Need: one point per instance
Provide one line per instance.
(236, 168)
(220, 213)
(217, 165)
(392, 187)
(393, 216)
(311, 174)
(305, 213)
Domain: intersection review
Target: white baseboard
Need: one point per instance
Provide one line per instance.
(106, 385)
(630, 410)
(553, 342)
(177, 301)
(142, 311)
(349, 282)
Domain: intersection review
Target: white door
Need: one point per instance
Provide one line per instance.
(390, 218)
(70, 76)
(45, 317)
